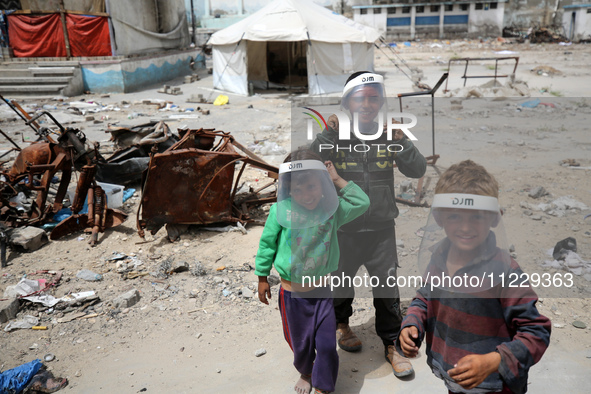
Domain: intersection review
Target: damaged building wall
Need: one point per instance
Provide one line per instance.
(433, 20)
(484, 23)
(576, 22)
(170, 14)
(525, 13)
(147, 26)
(411, 20)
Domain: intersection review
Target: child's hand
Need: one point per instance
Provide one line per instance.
(334, 176)
(333, 122)
(407, 338)
(398, 133)
(264, 291)
(471, 370)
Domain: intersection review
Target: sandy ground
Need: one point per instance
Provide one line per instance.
(192, 333)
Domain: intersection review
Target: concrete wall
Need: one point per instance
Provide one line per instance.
(581, 30)
(486, 22)
(129, 75)
(170, 13)
(432, 20)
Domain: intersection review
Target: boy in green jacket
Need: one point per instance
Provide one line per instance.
(300, 241)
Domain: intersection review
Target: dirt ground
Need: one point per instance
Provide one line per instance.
(199, 333)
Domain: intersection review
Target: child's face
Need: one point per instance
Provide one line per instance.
(367, 102)
(307, 192)
(466, 229)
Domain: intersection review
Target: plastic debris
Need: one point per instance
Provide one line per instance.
(562, 247)
(531, 103)
(15, 380)
(89, 275)
(26, 322)
(221, 100)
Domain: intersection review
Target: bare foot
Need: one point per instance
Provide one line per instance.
(303, 385)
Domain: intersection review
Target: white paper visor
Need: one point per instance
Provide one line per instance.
(464, 249)
(307, 196)
(466, 201)
(363, 81)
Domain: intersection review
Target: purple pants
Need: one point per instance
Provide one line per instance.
(309, 326)
(506, 390)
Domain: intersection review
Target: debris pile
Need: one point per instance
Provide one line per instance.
(546, 35)
(511, 88)
(558, 207)
(193, 182)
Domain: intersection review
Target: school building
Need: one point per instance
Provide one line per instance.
(443, 19)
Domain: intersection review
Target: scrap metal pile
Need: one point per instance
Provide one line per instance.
(536, 34)
(194, 182)
(26, 186)
(186, 180)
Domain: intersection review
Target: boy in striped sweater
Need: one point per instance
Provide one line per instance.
(482, 329)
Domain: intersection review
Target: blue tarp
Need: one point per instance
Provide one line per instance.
(14, 380)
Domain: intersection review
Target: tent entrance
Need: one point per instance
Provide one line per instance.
(277, 65)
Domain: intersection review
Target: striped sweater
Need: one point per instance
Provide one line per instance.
(456, 324)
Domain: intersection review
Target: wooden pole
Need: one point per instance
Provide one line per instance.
(64, 26)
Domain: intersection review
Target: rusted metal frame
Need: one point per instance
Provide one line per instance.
(225, 139)
(225, 146)
(469, 59)
(187, 136)
(260, 189)
(40, 114)
(24, 115)
(48, 171)
(84, 182)
(411, 203)
(235, 189)
(254, 201)
(6, 153)
(273, 171)
(247, 151)
(140, 230)
(210, 182)
(3, 183)
(16, 147)
(34, 125)
(97, 215)
(62, 189)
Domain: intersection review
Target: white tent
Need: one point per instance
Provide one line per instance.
(291, 43)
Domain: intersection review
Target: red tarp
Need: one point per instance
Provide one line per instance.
(89, 36)
(43, 36)
(36, 36)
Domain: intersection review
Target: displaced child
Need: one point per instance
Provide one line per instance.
(371, 239)
(300, 241)
(482, 334)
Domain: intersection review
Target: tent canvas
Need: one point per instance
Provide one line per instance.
(294, 43)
